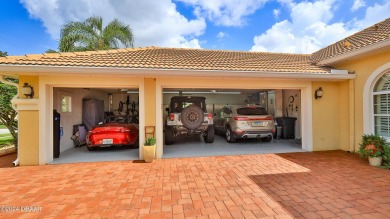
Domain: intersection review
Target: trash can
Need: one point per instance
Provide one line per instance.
(288, 126)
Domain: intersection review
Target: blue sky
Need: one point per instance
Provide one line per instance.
(292, 26)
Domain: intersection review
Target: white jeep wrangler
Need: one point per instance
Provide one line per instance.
(188, 115)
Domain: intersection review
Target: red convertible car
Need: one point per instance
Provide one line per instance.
(112, 134)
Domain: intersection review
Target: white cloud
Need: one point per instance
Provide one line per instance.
(153, 22)
(358, 4)
(310, 28)
(225, 12)
(276, 13)
(222, 35)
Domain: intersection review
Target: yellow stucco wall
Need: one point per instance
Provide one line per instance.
(28, 130)
(363, 68)
(326, 116)
(28, 137)
(150, 102)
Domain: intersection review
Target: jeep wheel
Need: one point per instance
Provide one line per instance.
(192, 117)
(169, 135)
(229, 135)
(209, 135)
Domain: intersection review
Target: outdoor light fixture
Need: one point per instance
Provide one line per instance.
(28, 90)
(318, 93)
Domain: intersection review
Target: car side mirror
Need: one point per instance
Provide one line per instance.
(215, 114)
(167, 109)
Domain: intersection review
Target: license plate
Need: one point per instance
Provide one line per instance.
(107, 141)
(258, 124)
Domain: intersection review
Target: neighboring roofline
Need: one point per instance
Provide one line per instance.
(53, 70)
(354, 53)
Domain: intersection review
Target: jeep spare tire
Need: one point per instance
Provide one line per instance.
(192, 117)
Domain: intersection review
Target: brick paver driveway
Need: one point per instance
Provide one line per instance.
(310, 185)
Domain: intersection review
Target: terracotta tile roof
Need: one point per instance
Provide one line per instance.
(377, 33)
(174, 58)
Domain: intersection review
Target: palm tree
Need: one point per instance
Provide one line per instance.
(90, 35)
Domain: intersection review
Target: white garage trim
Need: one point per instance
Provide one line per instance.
(144, 72)
(46, 85)
(252, 83)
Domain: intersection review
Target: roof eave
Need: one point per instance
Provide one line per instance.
(354, 53)
(149, 72)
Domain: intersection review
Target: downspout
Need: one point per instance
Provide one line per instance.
(4, 81)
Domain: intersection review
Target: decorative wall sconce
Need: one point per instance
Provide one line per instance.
(27, 90)
(318, 93)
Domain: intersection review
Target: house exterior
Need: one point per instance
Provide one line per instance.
(352, 74)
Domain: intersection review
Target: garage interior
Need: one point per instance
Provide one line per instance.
(123, 105)
(280, 103)
(111, 104)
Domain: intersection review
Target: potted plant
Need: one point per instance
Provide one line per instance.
(149, 149)
(372, 146)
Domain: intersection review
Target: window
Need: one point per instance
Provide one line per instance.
(381, 97)
(66, 104)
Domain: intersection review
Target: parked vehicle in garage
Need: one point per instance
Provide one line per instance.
(112, 134)
(244, 122)
(188, 115)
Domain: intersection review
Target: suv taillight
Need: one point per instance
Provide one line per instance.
(172, 116)
(240, 118)
(210, 116)
(269, 118)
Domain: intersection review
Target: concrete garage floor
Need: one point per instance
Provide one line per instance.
(192, 146)
(76, 155)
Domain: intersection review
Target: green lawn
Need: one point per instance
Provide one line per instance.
(2, 127)
(6, 139)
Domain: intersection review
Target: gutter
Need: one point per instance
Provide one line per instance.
(145, 72)
(354, 53)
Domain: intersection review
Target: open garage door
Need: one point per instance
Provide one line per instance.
(96, 124)
(258, 121)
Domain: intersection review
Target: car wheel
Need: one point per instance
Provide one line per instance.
(91, 148)
(267, 139)
(169, 135)
(229, 135)
(210, 134)
(192, 117)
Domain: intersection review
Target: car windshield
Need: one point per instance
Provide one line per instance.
(252, 111)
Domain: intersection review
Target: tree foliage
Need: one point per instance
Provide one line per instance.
(3, 54)
(90, 35)
(7, 113)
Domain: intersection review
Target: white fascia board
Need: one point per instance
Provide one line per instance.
(354, 53)
(142, 72)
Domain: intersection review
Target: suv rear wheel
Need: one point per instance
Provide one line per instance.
(267, 139)
(229, 135)
(209, 135)
(169, 135)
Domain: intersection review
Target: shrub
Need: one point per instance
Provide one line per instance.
(150, 141)
(372, 146)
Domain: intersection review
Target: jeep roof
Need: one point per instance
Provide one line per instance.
(197, 100)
